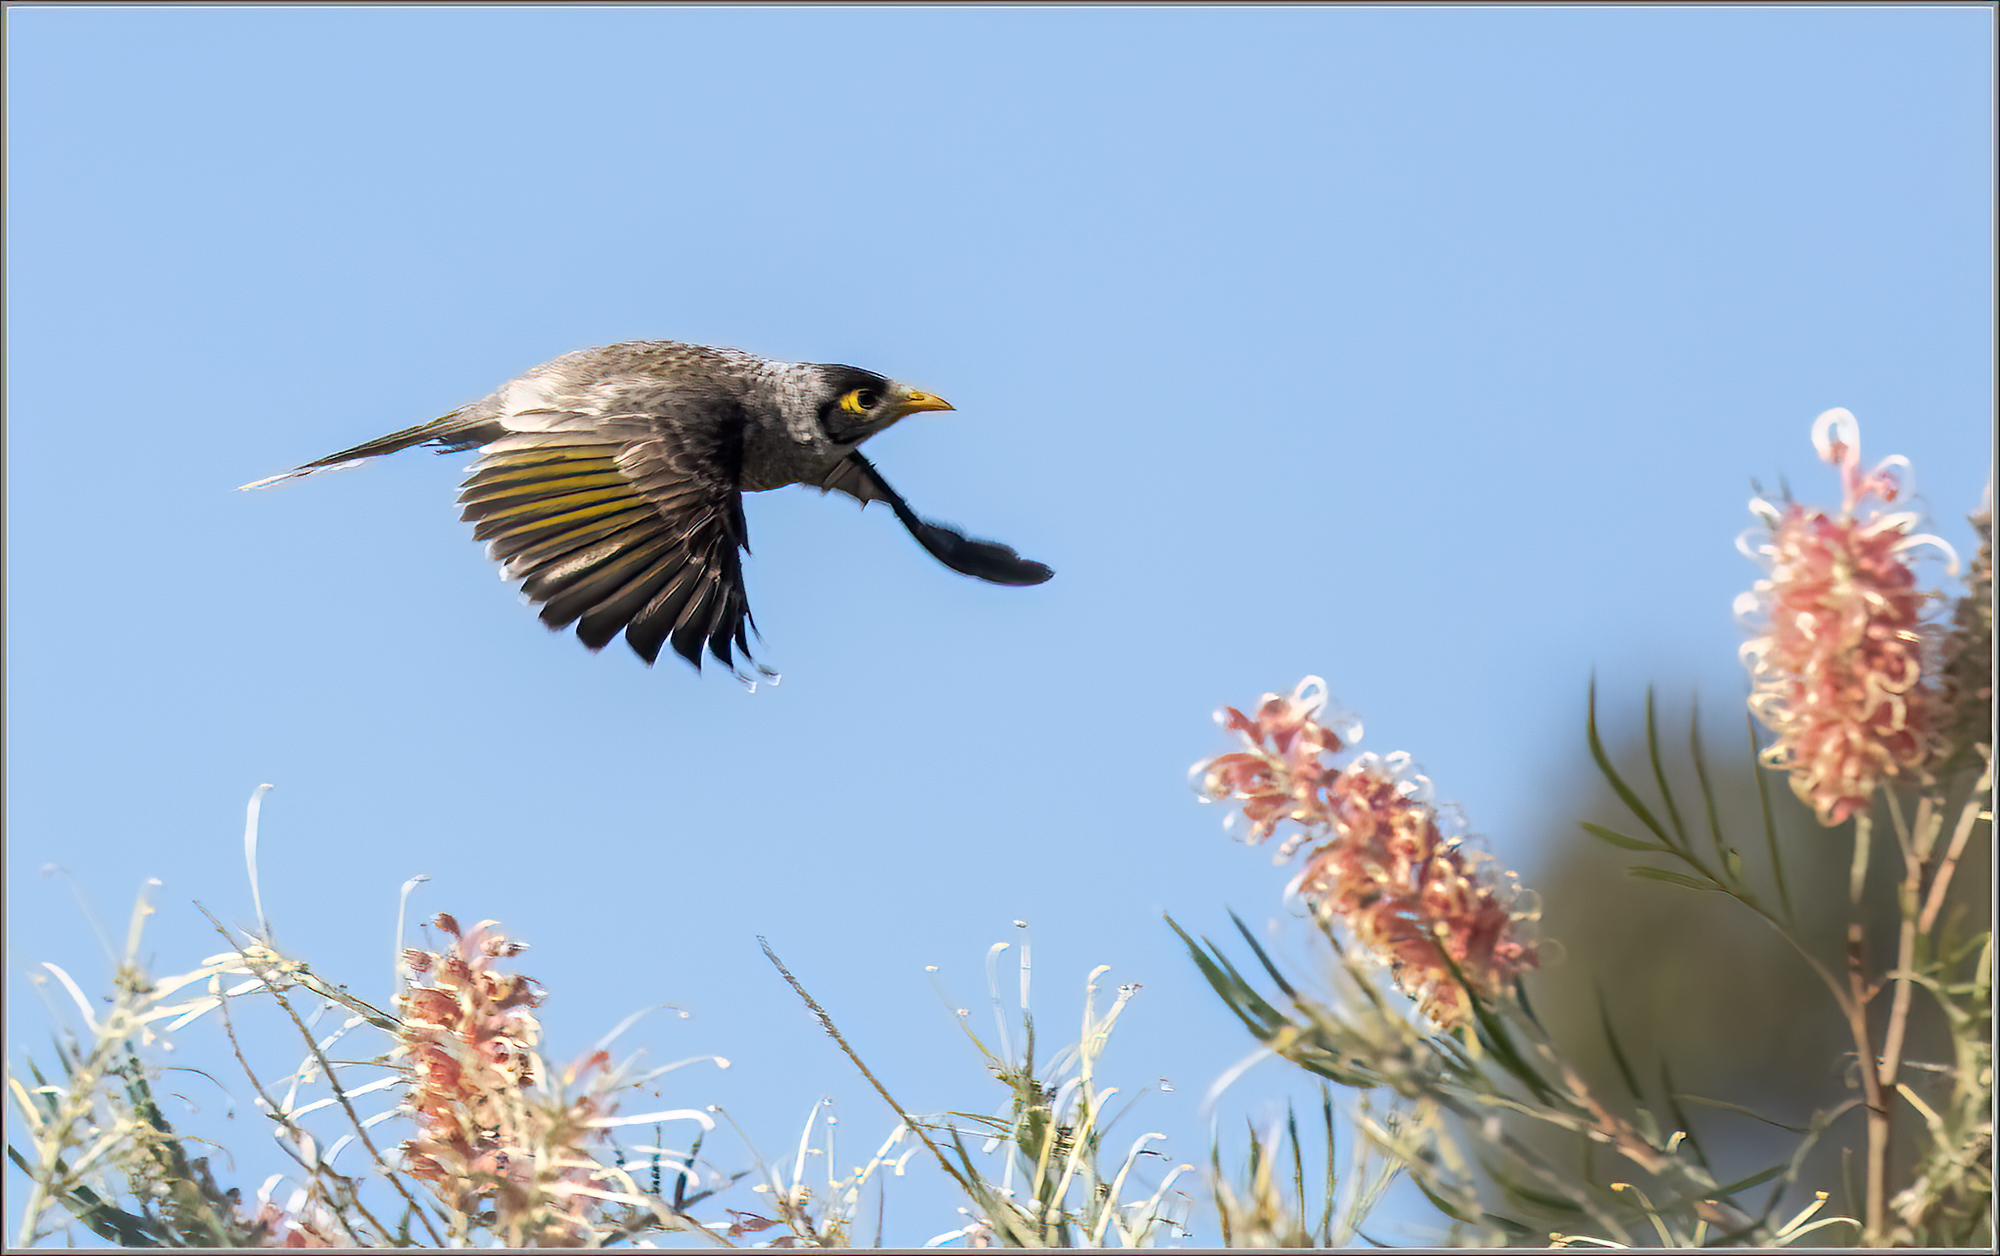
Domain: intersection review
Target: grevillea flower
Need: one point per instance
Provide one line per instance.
(489, 1136)
(1280, 777)
(1838, 668)
(1418, 899)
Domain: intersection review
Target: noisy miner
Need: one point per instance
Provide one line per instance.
(611, 480)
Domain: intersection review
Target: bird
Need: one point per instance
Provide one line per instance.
(610, 482)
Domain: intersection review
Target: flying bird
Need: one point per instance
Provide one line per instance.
(610, 482)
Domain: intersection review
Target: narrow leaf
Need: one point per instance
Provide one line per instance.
(1263, 958)
(1231, 989)
(1621, 841)
(1541, 1199)
(1660, 772)
(1681, 1122)
(1701, 773)
(1755, 1179)
(1673, 878)
(1332, 1175)
(1752, 1113)
(1493, 1033)
(1298, 1158)
(1617, 1049)
(1770, 827)
(1617, 782)
(1438, 1201)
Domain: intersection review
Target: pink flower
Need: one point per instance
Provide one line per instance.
(1838, 669)
(508, 1144)
(1416, 899)
(1278, 776)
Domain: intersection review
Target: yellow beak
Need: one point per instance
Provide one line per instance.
(914, 401)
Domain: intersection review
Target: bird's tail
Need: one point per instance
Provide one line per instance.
(457, 430)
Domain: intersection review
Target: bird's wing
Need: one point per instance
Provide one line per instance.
(622, 522)
(988, 560)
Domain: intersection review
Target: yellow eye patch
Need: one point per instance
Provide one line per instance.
(860, 401)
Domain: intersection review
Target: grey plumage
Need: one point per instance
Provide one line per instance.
(610, 482)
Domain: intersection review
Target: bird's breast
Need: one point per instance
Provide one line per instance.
(773, 459)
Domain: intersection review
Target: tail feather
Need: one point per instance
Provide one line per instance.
(454, 431)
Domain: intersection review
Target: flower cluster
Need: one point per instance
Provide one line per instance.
(1417, 899)
(488, 1136)
(1838, 665)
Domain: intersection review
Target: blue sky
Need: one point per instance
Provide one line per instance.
(1428, 350)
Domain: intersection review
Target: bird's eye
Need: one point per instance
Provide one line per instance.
(860, 401)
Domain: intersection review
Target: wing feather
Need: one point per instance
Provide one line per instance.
(633, 524)
(650, 625)
(604, 620)
(987, 560)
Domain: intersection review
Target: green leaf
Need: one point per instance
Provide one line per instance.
(1674, 878)
(1541, 1199)
(1752, 1113)
(1520, 1229)
(1438, 1201)
(1755, 1179)
(1770, 827)
(1332, 1176)
(1527, 1009)
(1617, 1050)
(1227, 986)
(1617, 782)
(1621, 841)
(1660, 772)
(1681, 1122)
(1263, 958)
(1494, 1034)
(1701, 772)
(103, 1219)
(1298, 1157)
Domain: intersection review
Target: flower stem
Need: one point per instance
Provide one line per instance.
(1874, 1098)
(1968, 819)
(1857, 873)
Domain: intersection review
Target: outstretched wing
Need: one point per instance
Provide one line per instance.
(988, 560)
(622, 522)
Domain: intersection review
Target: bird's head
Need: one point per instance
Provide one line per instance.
(855, 404)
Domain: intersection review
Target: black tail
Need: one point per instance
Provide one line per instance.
(454, 431)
